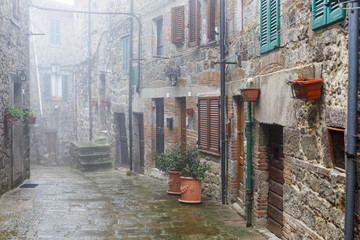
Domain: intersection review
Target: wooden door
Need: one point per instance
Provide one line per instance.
(276, 180)
(141, 140)
(122, 147)
(51, 146)
(240, 153)
(182, 102)
(159, 125)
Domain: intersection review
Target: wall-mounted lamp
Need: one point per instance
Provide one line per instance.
(21, 75)
(55, 68)
(172, 72)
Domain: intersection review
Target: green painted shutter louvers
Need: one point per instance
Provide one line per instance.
(269, 25)
(323, 16)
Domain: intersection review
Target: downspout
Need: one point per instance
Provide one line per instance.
(223, 107)
(89, 73)
(351, 120)
(130, 86)
(36, 65)
(248, 162)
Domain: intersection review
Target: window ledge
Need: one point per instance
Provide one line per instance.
(209, 152)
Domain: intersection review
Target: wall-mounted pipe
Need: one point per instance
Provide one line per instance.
(351, 120)
(248, 163)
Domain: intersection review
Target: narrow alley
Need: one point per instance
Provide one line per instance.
(66, 204)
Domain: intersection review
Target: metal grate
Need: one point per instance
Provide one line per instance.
(29, 185)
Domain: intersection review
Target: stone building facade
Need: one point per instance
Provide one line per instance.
(52, 87)
(298, 162)
(14, 55)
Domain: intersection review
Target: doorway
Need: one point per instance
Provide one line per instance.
(17, 139)
(276, 180)
(139, 142)
(159, 106)
(122, 156)
(182, 106)
(51, 146)
(240, 152)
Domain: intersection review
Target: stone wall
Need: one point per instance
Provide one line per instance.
(14, 49)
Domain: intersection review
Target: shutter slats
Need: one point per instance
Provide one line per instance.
(211, 10)
(193, 23)
(177, 25)
(203, 123)
(335, 13)
(322, 15)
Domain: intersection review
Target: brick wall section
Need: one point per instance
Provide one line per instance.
(208, 78)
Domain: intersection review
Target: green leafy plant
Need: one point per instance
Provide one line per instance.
(172, 160)
(14, 113)
(193, 166)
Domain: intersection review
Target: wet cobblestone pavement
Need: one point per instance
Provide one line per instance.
(110, 205)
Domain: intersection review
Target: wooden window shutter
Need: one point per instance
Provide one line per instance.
(318, 14)
(125, 55)
(177, 25)
(335, 13)
(263, 26)
(203, 123)
(211, 16)
(214, 124)
(65, 90)
(269, 25)
(193, 23)
(47, 86)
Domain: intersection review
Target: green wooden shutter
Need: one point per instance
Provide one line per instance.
(47, 86)
(125, 46)
(273, 27)
(135, 75)
(318, 14)
(335, 13)
(65, 91)
(263, 27)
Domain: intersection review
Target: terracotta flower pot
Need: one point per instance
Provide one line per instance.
(31, 120)
(250, 94)
(190, 190)
(174, 182)
(306, 88)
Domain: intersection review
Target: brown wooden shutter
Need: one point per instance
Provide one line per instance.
(177, 24)
(193, 22)
(214, 125)
(211, 10)
(203, 123)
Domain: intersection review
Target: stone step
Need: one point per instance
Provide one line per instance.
(86, 167)
(89, 148)
(98, 157)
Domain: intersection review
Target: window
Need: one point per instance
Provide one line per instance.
(323, 16)
(269, 25)
(135, 75)
(55, 37)
(158, 35)
(211, 10)
(337, 147)
(193, 23)
(56, 87)
(209, 124)
(16, 9)
(126, 54)
(177, 25)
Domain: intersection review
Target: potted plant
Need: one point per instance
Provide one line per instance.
(250, 94)
(306, 88)
(192, 174)
(172, 162)
(29, 115)
(14, 113)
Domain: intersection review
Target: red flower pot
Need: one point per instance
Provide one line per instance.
(8, 117)
(174, 182)
(250, 94)
(190, 190)
(306, 88)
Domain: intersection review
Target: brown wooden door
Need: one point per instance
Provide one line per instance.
(276, 180)
(240, 153)
(182, 102)
(141, 141)
(159, 125)
(122, 147)
(51, 146)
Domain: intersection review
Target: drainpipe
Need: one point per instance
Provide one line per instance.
(89, 73)
(351, 120)
(248, 162)
(223, 107)
(130, 86)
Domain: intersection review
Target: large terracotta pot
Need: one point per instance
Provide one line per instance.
(250, 94)
(190, 190)
(174, 182)
(306, 88)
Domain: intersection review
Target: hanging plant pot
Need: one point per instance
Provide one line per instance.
(190, 190)
(306, 88)
(31, 120)
(250, 94)
(190, 111)
(174, 182)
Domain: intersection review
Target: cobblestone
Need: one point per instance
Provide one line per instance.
(67, 204)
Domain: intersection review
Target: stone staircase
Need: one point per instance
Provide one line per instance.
(91, 156)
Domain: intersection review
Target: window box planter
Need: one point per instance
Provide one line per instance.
(309, 88)
(105, 103)
(250, 94)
